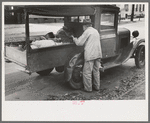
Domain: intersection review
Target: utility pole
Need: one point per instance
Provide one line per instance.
(132, 14)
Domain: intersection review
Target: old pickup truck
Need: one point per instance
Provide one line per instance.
(117, 43)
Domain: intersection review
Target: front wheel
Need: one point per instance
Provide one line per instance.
(140, 57)
(45, 72)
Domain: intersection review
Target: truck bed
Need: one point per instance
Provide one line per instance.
(39, 59)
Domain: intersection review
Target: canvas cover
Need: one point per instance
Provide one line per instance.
(61, 10)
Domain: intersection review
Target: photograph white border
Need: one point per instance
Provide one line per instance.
(131, 110)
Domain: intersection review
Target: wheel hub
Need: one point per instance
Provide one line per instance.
(77, 75)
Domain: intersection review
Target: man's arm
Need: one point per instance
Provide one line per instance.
(81, 40)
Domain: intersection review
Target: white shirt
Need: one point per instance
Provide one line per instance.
(90, 39)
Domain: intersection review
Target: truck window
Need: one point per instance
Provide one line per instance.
(75, 23)
(107, 20)
(74, 19)
(79, 18)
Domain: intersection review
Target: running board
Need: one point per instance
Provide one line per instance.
(108, 65)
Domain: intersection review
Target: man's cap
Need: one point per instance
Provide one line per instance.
(87, 21)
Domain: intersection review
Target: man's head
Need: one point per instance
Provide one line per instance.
(86, 23)
(50, 35)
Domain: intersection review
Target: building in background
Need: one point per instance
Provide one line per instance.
(126, 10)
(15, 15)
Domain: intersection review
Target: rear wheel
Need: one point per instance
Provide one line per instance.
(45, 72)
(73, 71)
(140, 57)
(76, 79)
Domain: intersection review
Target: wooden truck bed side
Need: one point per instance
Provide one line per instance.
(15, 55)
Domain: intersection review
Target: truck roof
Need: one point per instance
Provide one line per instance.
(64, 10)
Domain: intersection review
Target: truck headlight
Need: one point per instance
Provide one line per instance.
(135, 34)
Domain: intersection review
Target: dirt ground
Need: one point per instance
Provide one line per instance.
(136, 94)
(114, 82)
(113, 86)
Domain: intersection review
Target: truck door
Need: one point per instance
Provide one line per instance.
(108, 33)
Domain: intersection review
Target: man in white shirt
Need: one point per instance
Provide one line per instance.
(90, 39)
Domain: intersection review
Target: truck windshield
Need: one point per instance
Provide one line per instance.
(107, 20)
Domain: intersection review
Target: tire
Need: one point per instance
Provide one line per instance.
(59, 69)
(45, 72)
(140, 57)
(73, 69)
(76, 79)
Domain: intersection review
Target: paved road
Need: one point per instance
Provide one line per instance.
(21, 86)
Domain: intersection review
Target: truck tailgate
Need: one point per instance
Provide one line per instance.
(16, 55)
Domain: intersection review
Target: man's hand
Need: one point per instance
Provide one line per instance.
(43, 38)
(74, 38)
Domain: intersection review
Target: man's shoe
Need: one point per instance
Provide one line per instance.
(87, 91)
(95, 88)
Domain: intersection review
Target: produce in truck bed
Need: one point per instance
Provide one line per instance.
(42, 43)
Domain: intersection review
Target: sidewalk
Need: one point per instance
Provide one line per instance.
(127, 21)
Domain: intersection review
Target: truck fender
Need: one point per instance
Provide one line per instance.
(129, 51)
(136, 44)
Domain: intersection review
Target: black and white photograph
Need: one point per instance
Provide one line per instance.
(70, 58)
